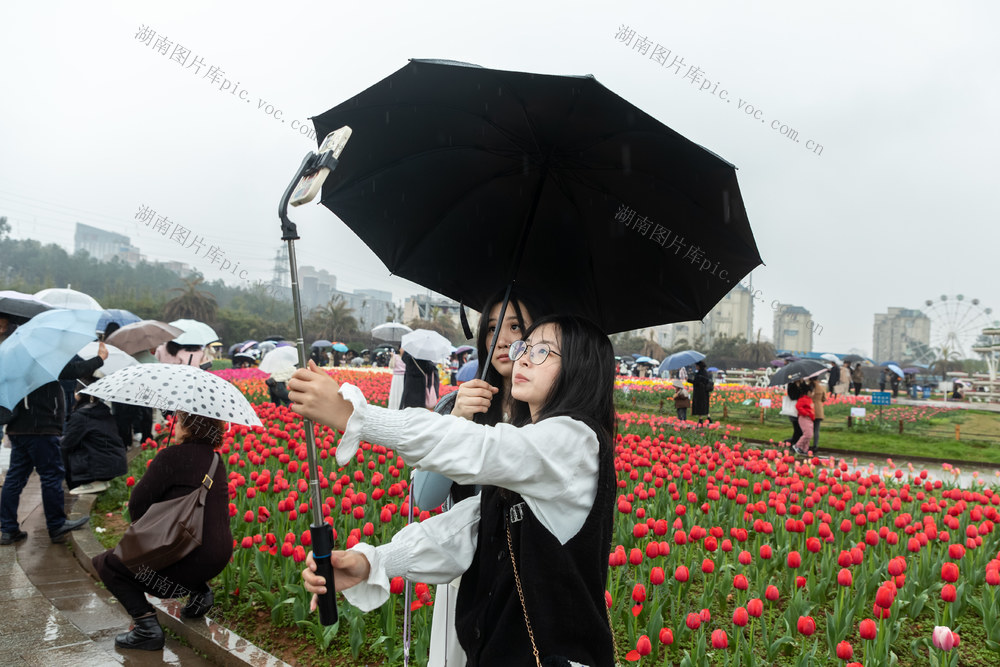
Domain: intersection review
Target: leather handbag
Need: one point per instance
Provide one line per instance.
(168, 531)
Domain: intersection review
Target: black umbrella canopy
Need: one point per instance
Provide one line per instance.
(623, 220)
(796, 371)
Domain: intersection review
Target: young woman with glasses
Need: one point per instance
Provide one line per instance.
(533, 547)
(486, 402)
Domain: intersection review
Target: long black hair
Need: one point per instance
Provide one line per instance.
(525, 303)
(585, 386)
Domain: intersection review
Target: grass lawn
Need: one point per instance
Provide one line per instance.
(980, 433)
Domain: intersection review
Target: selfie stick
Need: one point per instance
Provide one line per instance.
(321, 532)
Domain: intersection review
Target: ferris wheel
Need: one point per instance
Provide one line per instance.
(956, 323)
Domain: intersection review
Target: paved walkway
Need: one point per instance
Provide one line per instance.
(55, 613)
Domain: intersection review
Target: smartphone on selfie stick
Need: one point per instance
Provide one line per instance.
(305, 185)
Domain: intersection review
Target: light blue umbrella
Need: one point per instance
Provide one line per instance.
(645, 360)
(36, 353)
(468, 370)
(896, 369)
(340, 347)
(122, 317)
(680, 360)
(321, 343)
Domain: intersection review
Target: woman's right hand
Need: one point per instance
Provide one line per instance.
(350, 568)
(473, 397)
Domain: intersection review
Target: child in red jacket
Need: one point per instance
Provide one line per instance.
(806, 414)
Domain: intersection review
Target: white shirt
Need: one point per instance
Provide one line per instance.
(553, 465)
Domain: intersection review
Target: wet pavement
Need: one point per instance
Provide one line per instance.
(55, 613)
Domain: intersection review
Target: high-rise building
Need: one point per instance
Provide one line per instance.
(793, 328)
(901, 334)
(730, 318)
(103, 245)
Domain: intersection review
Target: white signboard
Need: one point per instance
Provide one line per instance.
(765, 403)
(857, 412)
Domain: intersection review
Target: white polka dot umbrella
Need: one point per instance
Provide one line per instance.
(177, 387)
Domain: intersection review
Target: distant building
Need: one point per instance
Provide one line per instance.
(730, 318)
(371, 307)
(103, 245)
(902, 333)
(424, 307)
(180, 268)
(793, 328)
(316, 286)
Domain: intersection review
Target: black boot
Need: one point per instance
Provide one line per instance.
(198, 604)
(146, 634)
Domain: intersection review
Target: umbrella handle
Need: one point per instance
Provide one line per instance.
(322, 541)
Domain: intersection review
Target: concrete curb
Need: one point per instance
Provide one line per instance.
(222, 646)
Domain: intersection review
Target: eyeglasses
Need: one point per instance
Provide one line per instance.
(539, 352)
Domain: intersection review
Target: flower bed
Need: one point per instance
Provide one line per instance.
(722, 553)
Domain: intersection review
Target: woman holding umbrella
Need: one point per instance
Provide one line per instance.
(532, 548)
(175, 472)
(485, 402)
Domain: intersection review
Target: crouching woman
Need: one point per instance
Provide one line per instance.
(533, 547)
(174, 472)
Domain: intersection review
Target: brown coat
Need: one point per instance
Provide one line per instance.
(819, 397)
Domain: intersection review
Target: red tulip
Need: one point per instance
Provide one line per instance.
(844, 577)
(657, 576)
(643, 646)
(885, 596)
(635, 556)
(949, 572)
(681, 574)
(806, 625)
(741, 617)
(771, 593)
(719, 639)
(740, 582)
(639, 593)
(693, 621)
(755, 607)
(396, 585)
(794, 559)
(845, 651)
(867, 629)
(666, 636)
(130, 481)
(948, 593)
(708, 566)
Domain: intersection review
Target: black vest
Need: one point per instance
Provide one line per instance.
(563, 584)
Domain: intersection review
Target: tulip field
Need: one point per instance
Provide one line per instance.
(723, 554)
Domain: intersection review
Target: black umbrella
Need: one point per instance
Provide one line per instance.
(852, 358)
(554, 181)
(20, 306)
(797, 370)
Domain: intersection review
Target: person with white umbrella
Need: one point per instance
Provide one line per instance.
(203, 403)
(422, 349)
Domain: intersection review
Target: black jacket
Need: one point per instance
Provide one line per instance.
(420, 376)
(91, 448)
(43, 411)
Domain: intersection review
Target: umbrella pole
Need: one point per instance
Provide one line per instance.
(320, 531)
(522, 242)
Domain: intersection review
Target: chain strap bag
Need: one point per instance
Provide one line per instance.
(168, 531)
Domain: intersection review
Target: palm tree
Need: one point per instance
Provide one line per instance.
(191, 303)
(946, 359)
(757, 353)
(333, 321)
